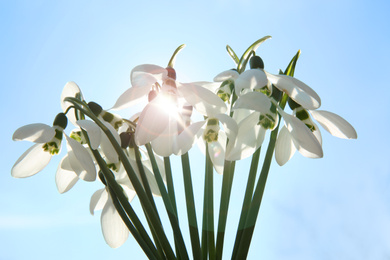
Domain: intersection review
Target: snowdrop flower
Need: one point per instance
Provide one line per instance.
(288, 141)
(48, 143)
(170, 106)
(258, 78)
(214, 137)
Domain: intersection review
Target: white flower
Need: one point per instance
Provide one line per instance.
(170, 106)
(288, 141)
(48, 143)
(258, 78)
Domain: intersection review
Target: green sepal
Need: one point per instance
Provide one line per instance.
(232, 54)
(244, 59)
(171, 62)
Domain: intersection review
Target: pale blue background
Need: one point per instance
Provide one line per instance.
(334, 208)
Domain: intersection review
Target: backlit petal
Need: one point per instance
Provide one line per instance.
(217, 152)
(254, 101)
(80, 160)
(31, 162)
(93, 130)
(296, 90)
(334, 124)
(188, 137)
(227, 74)
(284, 147)
(65, 177)
(250, 79)
(304, 140)
(249, 138)
(203, 100)
(114, 229)
(98, 200)
(37, 133)
(131, 97)
(106, 145)
(70, 90)
(229, 125)
(151, 123)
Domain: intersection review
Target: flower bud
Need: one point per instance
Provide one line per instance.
(256, 62)
(95, 107)
(61, 120)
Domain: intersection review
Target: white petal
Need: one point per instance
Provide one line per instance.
(131, 97)
(164, 144)
(107, 147)
(227, 74)
(70, 90)
(188, 137)
(65, 177)
(212, 86)
(250, 79)
(296, 90)
(98, 200)
(31, 162)
(93, 130)
(249, 138)
(230, 126)
(114, 229)
(334, 124)
(151, 123)
(217, 152)
(304, 140)
(37, 133)
(284, 147)
(147, 74)
(254, 101)
(203, 100)
(80, 160)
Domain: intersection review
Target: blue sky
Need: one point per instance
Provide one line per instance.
(333, 208)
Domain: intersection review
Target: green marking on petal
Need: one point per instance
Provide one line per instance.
(212, 129)
(267, 121)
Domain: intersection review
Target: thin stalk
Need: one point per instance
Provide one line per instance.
(147, 207)
(191, 212)
(168, 206)
(247, 231)
(253, 212)
(117, 189)
(171, 192)
(227, 181)
(247, 199)
(209, 206)
(148, 191)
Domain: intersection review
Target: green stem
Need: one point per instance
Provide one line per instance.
(247, 199)
(191, 212)
(253, 212)
(117, 189)
(209, 206)
(171, 191)
(227, 181)
(148, 191)
(168, 205)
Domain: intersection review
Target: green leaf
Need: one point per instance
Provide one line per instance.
(232, 54)
(291, 66)
(245, 57)
(171, 62)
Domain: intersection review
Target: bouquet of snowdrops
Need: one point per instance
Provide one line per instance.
(130, 155)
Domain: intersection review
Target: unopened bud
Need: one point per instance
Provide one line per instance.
(256, 63)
